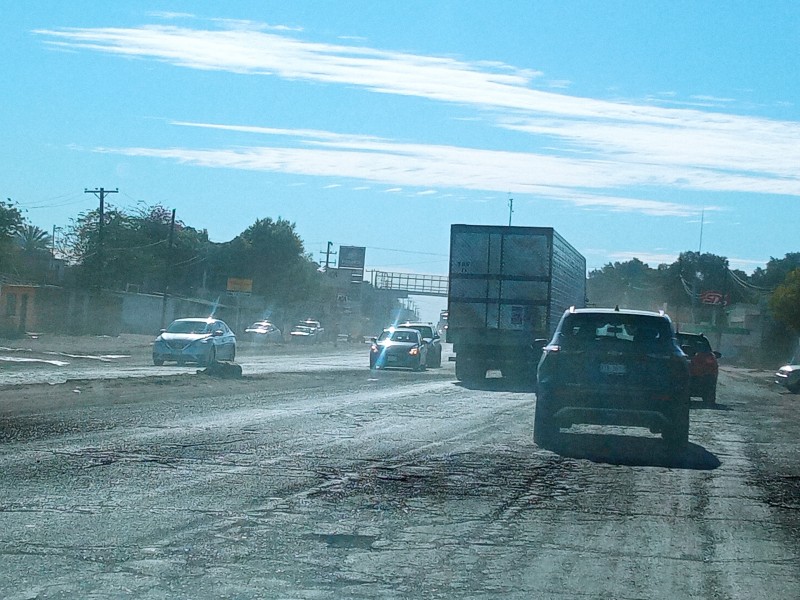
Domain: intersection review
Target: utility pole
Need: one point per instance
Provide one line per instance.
(53, 241)
(702, 221)
(328, 254)
(101, 194)
(510, 210)
(167, 271)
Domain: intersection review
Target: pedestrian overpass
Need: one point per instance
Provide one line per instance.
(410, 283)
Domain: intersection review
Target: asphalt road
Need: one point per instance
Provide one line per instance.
(326, 481)
(22, 365)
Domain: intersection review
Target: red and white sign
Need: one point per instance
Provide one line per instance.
(712, 297)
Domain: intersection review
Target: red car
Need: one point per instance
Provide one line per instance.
(703, 365)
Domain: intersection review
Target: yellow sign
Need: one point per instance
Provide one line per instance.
(240, 285)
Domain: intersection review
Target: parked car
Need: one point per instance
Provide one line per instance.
(789, 377)
(430, 335)
(262, 332)
(613, 367)
(703, 365)
(197, 340)
(304, 334)
(319, 330)
(398, 347)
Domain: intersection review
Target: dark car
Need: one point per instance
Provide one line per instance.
(307, 332)
(789, 376)
(703, 365)
(430, 335)
(613, 367)
(398, 347)
(197, 340)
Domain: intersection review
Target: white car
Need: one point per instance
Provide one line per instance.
(263, 332)
(789, 377)
(202, 341)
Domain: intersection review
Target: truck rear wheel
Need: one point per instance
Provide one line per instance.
(470, 370)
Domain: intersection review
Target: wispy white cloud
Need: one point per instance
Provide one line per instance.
(314, 134)
(429, 167)
(168, 15)
(426, 193)
(747, 264)
(614, 144)
(714, 99)
(651, 259)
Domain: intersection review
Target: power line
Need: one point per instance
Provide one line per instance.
(408, 251)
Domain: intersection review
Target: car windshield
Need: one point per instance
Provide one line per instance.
(424, 331)
(189, 327)
(399, 336)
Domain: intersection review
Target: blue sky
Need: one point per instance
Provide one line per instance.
(378, 124)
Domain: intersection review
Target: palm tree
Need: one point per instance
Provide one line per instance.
(32, 239)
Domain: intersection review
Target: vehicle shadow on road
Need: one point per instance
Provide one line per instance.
(633, 451)
(499, 384)
(708, 406)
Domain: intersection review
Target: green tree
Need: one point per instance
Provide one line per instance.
(32, 239)
(629, 284)
(135, 250)
(690, 276)
(785, 301)
(10, 222)
(271, 253)
(774, 274)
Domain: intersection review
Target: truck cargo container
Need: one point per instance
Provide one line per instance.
(508, 288)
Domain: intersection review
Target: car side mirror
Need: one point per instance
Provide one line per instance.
(162, 331)
(373, 340)
(218, 333)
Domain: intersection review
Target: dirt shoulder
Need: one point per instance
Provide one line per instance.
(126, 343)
(136, 344)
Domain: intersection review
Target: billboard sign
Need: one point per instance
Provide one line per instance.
(236, 284)
(352, 257)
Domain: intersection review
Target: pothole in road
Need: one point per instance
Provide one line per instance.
(347, 541)
(510, 483)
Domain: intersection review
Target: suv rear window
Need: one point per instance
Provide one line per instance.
(696, 343)
(425, 331)
(582, 330)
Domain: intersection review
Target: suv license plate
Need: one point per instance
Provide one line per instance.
(612, 369)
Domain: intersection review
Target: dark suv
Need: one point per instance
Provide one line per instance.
(613, 367)
(430, 335)
(703, 365)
